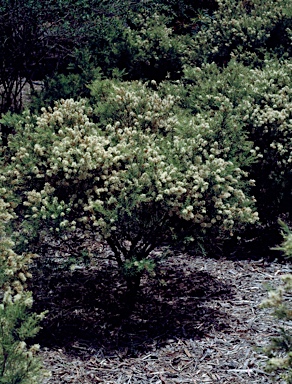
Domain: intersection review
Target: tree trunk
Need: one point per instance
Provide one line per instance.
(133, 284)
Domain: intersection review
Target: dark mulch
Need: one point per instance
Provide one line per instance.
(197, 321)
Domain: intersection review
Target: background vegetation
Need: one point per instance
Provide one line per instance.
(157, 123)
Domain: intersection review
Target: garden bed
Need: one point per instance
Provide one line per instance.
(197, 321)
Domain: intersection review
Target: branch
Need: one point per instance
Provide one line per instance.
(116, 251)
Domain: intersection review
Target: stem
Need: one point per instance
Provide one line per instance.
(5, 354)
(116, 251)
(134, 244)
(133, 284)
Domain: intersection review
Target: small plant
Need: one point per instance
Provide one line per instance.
(18, 326)
(280, 349)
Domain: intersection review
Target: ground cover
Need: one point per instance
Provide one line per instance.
(199, 321)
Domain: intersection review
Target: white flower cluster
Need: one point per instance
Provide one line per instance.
(268, 109)
(89, 174)
(13, 268)
(152, 34)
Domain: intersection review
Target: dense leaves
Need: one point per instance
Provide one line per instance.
(18, 363)
(135, 177)
(157, 123)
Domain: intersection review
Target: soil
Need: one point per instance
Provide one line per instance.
(197, 321)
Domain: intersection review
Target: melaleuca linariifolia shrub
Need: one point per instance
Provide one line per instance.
(136, 176)
(247, 30)
(152, 49)
(19, 362)
(267, 114)
(258, 101)
(280, 349)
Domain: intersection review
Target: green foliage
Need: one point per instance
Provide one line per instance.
(18, 360)
(139, 46)
(255, 106)
(143, 173)
(105, 46)
(68, 40)
(61, 86)
(280, 349)
(286, 246)
(153, 52)
(246, 30)
(266, 112)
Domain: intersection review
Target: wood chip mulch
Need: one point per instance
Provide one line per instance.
(198, 321)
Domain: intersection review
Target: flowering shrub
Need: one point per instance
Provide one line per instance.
(279, 300)
(153, 51)
(267, 114)
(18, 361)
(258, 102)
(246, 30)
(138, 175)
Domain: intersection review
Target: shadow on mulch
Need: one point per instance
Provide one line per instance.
(88, 308)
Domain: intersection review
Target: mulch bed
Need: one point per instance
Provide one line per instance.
(198, 321)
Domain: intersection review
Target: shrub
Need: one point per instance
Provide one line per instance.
(18, 360)
(258, 102)
(153, 52)
(267, 115)
(280, 350)
(143, 173)
(247, 30)
(138, 45)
